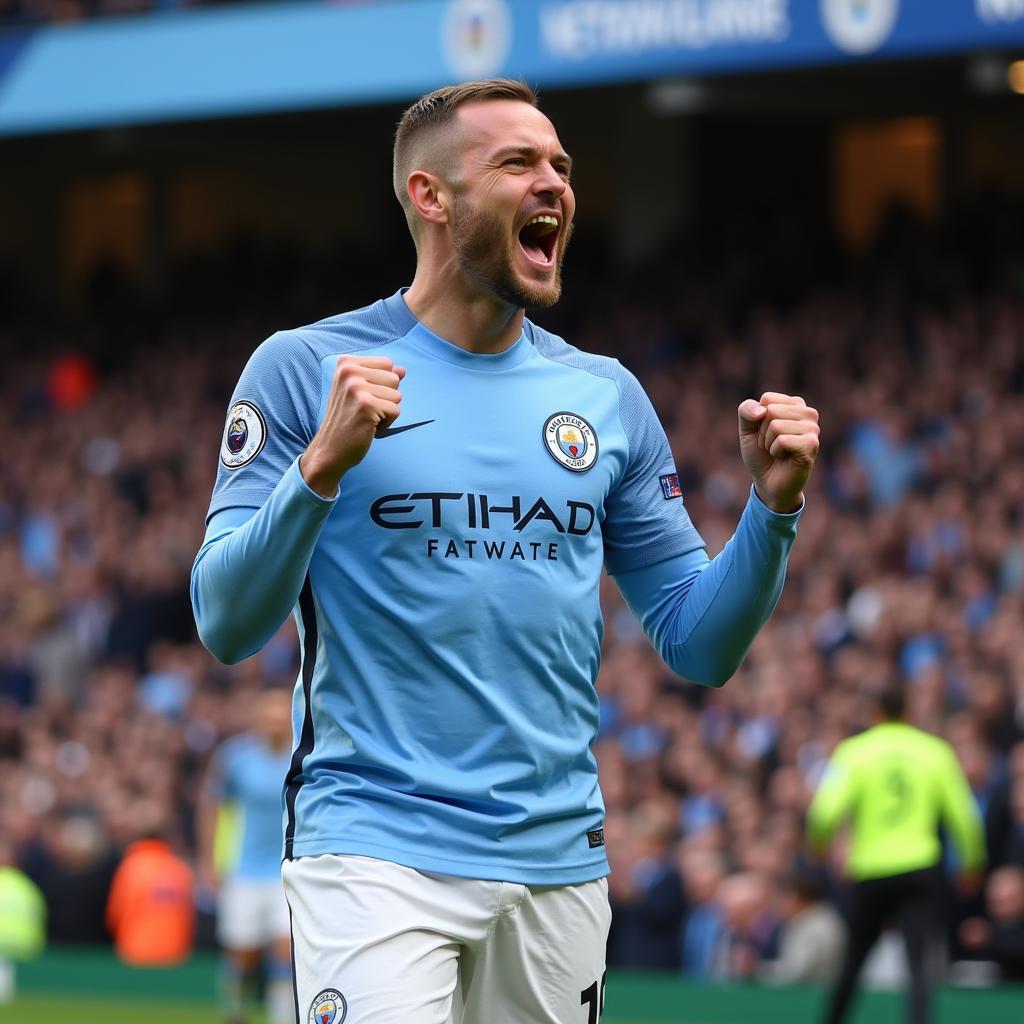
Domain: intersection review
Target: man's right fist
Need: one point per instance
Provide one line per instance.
(364, 396)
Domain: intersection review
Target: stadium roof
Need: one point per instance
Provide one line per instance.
(213, 62)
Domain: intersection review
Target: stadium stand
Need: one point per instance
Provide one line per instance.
(36, 12)
(910, 561)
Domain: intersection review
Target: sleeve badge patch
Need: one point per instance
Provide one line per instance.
(245, 433)
(670, 486)
(329, 1007)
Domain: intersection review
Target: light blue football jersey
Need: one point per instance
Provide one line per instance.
(248, 774)
(450, 622)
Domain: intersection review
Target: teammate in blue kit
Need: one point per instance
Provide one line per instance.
(444, 845)
(253, 929)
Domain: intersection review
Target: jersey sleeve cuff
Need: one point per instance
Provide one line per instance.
(783, 521)
(293, 478)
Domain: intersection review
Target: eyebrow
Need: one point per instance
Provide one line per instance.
(532, 152)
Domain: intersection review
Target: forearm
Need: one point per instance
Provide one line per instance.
(702, 615)
(206, 834)
(247, 576)
(962, 818)
(822, 821)
(969, 839)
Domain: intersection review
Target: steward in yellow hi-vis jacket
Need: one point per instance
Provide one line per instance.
(895, 785)
(22, 919)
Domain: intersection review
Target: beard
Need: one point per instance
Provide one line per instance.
(485, 256)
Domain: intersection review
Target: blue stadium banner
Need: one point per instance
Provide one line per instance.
(211, 62)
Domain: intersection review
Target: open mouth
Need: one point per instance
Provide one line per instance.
(539, 239)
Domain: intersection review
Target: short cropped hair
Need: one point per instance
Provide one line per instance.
(892, 701)
(436, 111)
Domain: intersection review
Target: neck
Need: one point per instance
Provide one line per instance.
(457, 309)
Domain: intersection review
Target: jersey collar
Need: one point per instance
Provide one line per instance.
(426, 340)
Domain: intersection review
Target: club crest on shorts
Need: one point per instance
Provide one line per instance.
(329, 1007)
(571, 441)
(245, 433)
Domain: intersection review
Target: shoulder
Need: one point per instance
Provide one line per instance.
(851, 750)
(941, 750)
(235, 750)
(635, 409)
(558, 350)
(368, 327)
(358, 329)
(925, 745)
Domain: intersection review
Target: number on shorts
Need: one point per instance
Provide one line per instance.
(594, 998)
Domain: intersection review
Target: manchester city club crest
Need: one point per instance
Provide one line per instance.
(477, 35)
(245, 433)
(329, 1007)
(859, 26)
(571, 441)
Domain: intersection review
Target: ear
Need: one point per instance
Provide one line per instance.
(430, 196)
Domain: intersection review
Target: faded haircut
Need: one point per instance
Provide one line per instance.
(434, 113)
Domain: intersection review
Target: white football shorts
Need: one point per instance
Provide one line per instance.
(377, 942)
(251, 914)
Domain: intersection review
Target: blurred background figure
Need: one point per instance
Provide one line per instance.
(151, 911)
(73, 864)
(240, 816)
(704, 926)
(896, 785)
(811, 933)
(750, 928)
(999, 937)
(646, 892)
(22, 920)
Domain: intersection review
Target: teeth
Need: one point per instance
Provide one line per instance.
(543, 219)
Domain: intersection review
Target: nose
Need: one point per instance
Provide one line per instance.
(550, 182)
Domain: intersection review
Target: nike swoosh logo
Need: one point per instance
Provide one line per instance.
(389, 431)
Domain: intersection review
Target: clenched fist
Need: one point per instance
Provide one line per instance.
(364, 397)
(779, 443)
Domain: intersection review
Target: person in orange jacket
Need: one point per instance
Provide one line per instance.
(151, 908)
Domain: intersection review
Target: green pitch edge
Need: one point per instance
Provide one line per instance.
(86, 1010)
(661, 999)
(633, 998)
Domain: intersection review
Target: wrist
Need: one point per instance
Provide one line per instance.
(320, 475)
(783, 505)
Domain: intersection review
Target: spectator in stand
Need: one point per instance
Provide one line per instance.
(811, 938)
(646, 893)
(68, 11)
(151, 912)
(704, 927)
(750, 927)
(73, 864)
(1001, 937)
(1013, 844)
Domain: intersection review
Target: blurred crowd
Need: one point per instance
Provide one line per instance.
(37, 12)
(909, 564)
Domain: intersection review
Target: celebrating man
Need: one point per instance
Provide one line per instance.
(444, 844)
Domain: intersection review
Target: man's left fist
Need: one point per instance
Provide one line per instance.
(779, 443)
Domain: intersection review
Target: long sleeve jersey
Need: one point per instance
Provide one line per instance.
(447, 597)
